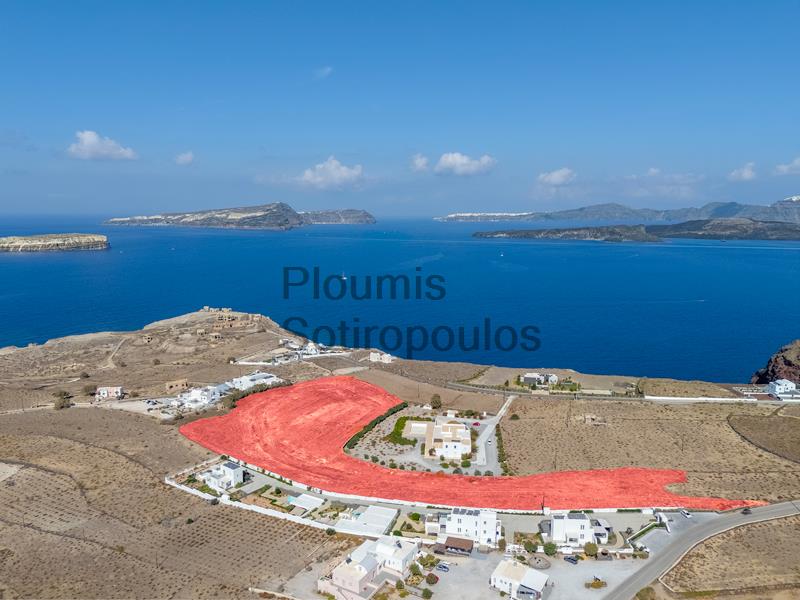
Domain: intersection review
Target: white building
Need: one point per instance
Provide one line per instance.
(201, 397)
(367, 521)
(104, 393)
(781, 387)
(446, 439)
(533, 379)
(481, 526)
(575, 529)
(369, 566)
(518, 581)
(249, 381)
(380, 357)
(223, 477)
(539, 378)
(434, 524)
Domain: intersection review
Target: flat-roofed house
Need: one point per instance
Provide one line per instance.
(518, 581)
(447, 439)
(178, 385)
(223, 477)
(575, 529)
(481, 526)
(249, 381)
(106, 392)
(369, 566)
(781, 387)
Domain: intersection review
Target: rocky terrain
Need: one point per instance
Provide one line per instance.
(787, 210)
(610, 233)
(784, 364)
(275, 216)
(53, 242)
(346, 216)
(711, 229)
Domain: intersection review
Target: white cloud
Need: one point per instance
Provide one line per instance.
(653, 171)
(419, 162)
(561, 176)
(323, 72)
(331, 174)
(744, 173)
(90, 146)
(185, 158)
(791, 168)
(461, 164)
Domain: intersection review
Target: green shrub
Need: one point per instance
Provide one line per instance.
(351, 443)
(550, 549)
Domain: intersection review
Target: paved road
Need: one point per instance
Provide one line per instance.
(660, 563)
(488, 434)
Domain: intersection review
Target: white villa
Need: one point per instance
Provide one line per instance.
(200, 397)
(540, 378)
(369, 520)
(380, 357)
(252, 380)
(783, 389)
(223, 477)
(443, 438)
(577, 529)
(481, 526)
(104, 393)
(369, 566)
(518, 581)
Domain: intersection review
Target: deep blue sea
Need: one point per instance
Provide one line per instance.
(685, 309)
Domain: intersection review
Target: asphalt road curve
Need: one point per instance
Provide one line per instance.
(660, 563)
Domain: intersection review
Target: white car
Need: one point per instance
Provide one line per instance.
(686, 513)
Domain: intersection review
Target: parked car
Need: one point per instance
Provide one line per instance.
(747, 511)
(686, 513)
(476, 424)
(442, 568)
(489, 442)
(571, 559)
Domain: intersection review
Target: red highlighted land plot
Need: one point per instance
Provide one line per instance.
(299, 432)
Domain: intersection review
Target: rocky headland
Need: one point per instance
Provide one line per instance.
(54, 242)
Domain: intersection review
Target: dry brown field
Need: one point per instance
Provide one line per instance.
(686, 389)
(436, 373)
(417, 392)
(87, 515)
(776, 434)
(553, 434)
(497, 376)
(759, 559)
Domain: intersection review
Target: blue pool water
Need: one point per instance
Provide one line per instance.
(687, 309)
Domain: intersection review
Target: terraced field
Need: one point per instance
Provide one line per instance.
(92, 518)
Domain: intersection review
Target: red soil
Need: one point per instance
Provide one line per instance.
(299, 433)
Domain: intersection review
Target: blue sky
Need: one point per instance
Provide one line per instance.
(403, 108)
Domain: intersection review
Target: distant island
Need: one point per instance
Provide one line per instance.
(711, 229)
(53, 242)
(787, 210)
(275, 216)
